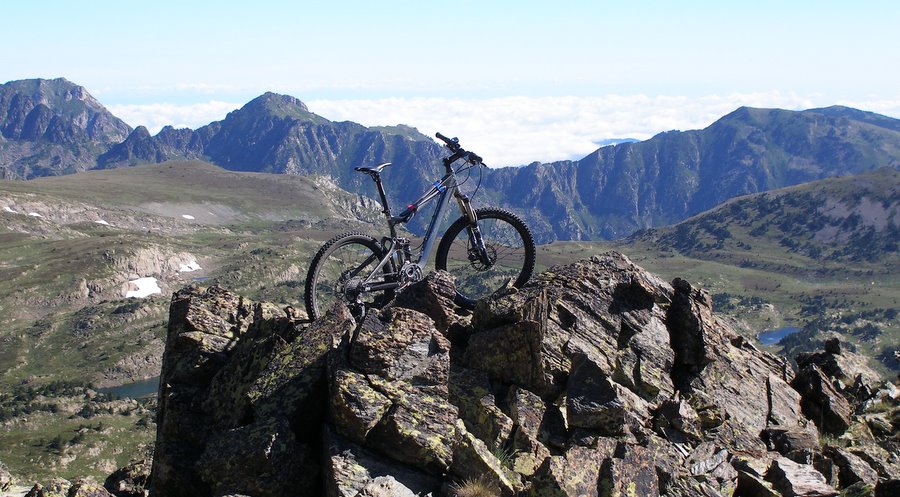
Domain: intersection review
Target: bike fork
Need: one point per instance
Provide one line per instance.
(476, 241)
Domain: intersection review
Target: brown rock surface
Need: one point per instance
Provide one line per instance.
(596, 378)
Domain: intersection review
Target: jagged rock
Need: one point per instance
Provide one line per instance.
(470, 391)
(385, 486)
(402, 345)
(690, 486)
(519, 361)
(886, 464)
(596, 402)
(56, 487)
(833, 345)
(263, 458)
(751, 485)
(472, 457)
(594, 379)
(576, 473)
(87, 488)
(6, 479)
(419, 430)
(795, 444)
(858, 489)
(821, 402)
(674, 417)
(349, 469)
(433, 296)
(209, 389)
(630, 470)
(848, 371)
(533, 428)
(800, 480)
(293, 383)
(130, 480)
(888, 488)
(851, 468)
(711, 464)
(356, 407)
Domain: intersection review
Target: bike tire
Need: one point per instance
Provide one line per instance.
(346, 252)
(510, 243)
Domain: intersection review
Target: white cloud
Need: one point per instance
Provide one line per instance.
(155, 116)
(519, 130)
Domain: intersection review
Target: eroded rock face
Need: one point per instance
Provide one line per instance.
(596, 379)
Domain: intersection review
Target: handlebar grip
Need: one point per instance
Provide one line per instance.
(452, 143)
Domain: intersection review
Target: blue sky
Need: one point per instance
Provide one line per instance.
(517, 81)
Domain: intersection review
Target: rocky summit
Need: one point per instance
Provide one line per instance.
(596, 379)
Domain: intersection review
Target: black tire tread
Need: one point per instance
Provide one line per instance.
(322, 253)
(496, 213)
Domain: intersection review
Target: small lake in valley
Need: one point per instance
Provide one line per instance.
(136, 390)
(772, 337)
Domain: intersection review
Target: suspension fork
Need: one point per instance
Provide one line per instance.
(476, 241)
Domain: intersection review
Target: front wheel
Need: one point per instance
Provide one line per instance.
(507, 256)
(340, 269)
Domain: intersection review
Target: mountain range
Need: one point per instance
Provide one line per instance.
(52, 127)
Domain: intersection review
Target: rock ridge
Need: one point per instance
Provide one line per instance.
(597, 378)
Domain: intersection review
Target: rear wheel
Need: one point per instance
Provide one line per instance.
(338, 271)
(508, 257)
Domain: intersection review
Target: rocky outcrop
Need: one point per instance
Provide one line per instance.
(6, 479)
(58, 487)
(130, 480)
(596, 379)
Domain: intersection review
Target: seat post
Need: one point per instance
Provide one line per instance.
(384, 201)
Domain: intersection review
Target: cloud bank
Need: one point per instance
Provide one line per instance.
(510, 131)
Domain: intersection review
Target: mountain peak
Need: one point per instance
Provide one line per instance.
(58, 94)
(282, 106)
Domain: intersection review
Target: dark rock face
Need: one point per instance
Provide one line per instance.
(53, 127)
(595, 379)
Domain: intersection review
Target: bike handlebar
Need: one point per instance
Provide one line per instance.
(453, 145)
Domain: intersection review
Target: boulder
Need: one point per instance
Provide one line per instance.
(350, 469)
(472, 457)
(130, 480)
(471, 392)
(821, 402)
(851, 468)
(56, 487)
(887, 488)
(87, 488)
(263, 458)
(595, 402)
(6, 479)
(631, 470)
(433, 296)
(798, 480)
(576, 473)
(751, 485)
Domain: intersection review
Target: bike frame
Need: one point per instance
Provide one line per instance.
(442, 190)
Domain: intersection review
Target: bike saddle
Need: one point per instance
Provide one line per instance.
(372, 170)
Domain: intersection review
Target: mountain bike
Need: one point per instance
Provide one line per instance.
(486, 249)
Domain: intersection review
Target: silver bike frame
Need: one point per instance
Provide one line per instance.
(442, 189)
